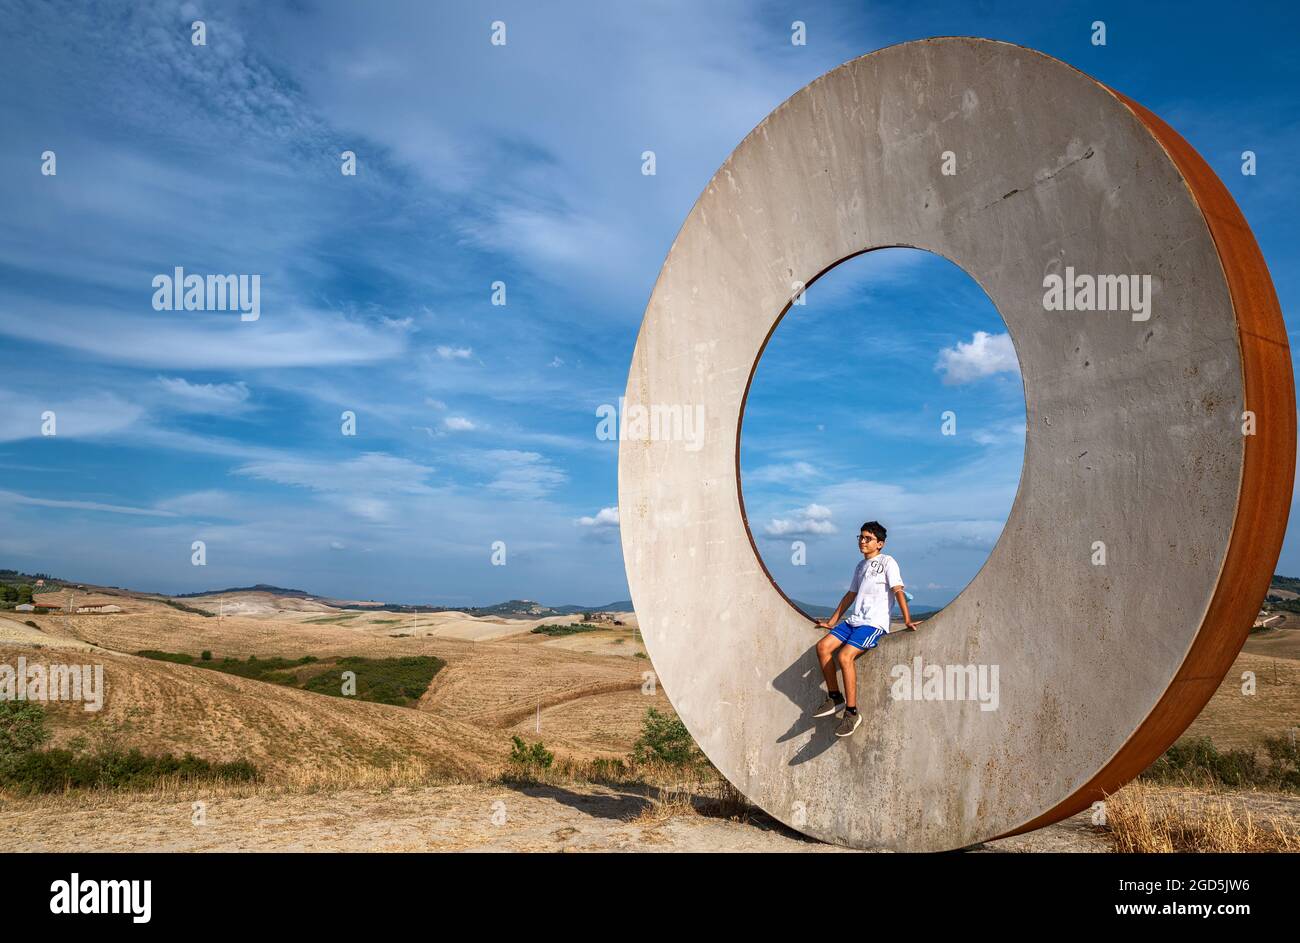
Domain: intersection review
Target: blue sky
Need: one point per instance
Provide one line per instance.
(478, 163)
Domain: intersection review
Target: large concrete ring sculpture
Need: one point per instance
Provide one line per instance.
(1136, 439)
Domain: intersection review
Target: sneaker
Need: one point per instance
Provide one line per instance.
(828, 707)
(848, 724)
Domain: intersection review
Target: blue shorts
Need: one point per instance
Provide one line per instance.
(859, 636)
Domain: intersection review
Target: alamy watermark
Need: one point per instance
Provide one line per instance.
(78, 896)
(921, 682)
(1084, 292)
(181, 292)
(659, 422)
(26, 682)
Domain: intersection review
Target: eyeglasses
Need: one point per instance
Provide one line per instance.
(862, 537)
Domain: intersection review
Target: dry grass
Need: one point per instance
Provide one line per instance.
(1235, 720)
(716, 800)
(1146, 818)
(305, 781)
(611, 771)
(730, 803)
(670, 803)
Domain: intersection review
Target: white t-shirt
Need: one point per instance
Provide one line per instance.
(874, 581)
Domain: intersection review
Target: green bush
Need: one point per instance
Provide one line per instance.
(665, 739)
(1198, 760)
(604, 768)
(530, 756)
(26, 769)
(42, 771)
(184, 608)
(1284, 762)
(22, 729)
(179, 658)
(556, 630)
(398, 681)
(206, 655)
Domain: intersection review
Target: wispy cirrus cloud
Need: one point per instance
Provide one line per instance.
(520, 474)
(13, 497)
(205, 397)
(75, 416)
(371, 472)
(198, 340)
(797, 471)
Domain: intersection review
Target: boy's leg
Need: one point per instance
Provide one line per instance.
(850, 653)
(826, 656)
(845, 657)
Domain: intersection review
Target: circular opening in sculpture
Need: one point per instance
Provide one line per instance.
(889, 391)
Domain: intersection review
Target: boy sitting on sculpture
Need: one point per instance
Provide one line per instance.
(875, 579)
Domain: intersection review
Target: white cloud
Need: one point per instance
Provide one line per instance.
(454, 353)
(205, 397)
(967, 535)
(13, 497)
(605, 518)
(83, 417)
(370, 509)
(1008, 433)
(793, 471)
(550, 239)
(212, 502)
(457, 424)
(813, 519)
(982, 356)
(372, 472)
(523, 474)
(206, 341)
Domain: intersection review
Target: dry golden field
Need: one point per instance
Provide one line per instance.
(489, 688)
(346, 774)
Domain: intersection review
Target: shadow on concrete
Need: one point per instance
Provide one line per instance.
(804, 685)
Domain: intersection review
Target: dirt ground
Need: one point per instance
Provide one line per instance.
(473, 817)
(469, 817)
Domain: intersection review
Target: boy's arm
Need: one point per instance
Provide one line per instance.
(834, 620)
(902, 606)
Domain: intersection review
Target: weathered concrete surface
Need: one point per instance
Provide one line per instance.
(1134, 438)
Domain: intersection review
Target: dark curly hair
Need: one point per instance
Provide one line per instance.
(876, 529)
